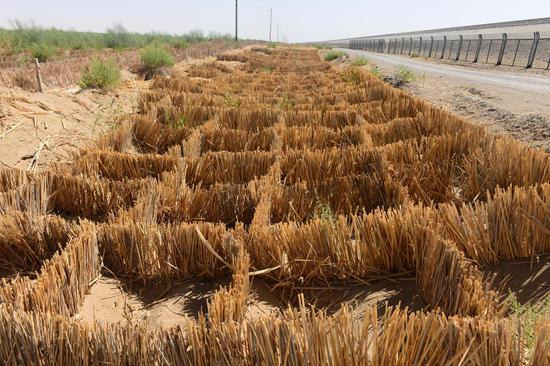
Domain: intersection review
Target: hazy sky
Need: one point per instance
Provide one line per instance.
(306, 20)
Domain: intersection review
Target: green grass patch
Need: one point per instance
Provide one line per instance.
(155, 56)
(42, 52)
(101, 74)
(529, 315)
(404, 75)
(360, 61)
(333, 55)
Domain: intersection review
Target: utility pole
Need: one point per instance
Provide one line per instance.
(236, 20)
(277, 32)
(270, 22)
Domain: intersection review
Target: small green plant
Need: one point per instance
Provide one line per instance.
(155, 56)
(174, 122)
(360, 61)
(101, 75)
(352, 75)
(323, 211)
(267, 69)
(404, 75)
(286, 103)
(528, 316)
(179, 123)
(231, 100)
(414, 55)
(272, 45)
(376, 71)
(333, 55)
(42, 52)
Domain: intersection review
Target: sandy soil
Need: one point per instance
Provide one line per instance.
(111, 301)
(58, 120)
(529, 281)
(387, 292)
(399, 291)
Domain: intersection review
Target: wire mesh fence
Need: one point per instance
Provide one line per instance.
(523, 52)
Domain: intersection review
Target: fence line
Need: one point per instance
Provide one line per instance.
(525, 52)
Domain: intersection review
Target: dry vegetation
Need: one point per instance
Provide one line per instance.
(308, 200)
(66, 71)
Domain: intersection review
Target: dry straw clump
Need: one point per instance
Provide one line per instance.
(289, 172)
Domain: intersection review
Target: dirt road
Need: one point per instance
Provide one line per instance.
(510, 102)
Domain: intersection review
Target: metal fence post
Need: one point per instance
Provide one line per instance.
(460, 40)
(411, 46)
(431, 46)
(444, 45)
(502, 48)
(536, 38)
(420, 46)
(478, 49)
(402, 45)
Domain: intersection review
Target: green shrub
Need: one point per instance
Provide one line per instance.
(360, 61)
(101, 75)
(322, 47)
(42, 52)
(404, 75)
(155, 56)
(375, 71)
(272, 45)
(180, 44)
(333, 55)
(24, 35)
(117, 37)
(415, 55)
